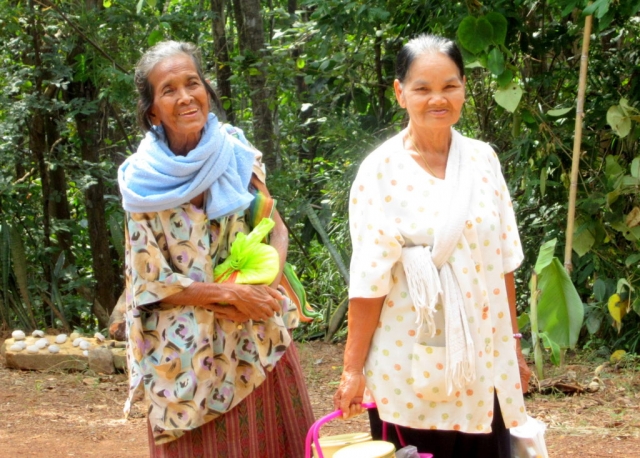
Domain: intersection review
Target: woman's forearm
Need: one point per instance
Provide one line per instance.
(199, 293)
(363, 319)
(510, 284)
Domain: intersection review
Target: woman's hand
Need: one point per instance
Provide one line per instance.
(227, 312)
(350, 392)
(257, 302)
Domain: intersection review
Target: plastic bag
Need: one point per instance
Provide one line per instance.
(527, 441)
(250, 261)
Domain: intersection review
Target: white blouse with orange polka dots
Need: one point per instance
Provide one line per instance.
(394, 203)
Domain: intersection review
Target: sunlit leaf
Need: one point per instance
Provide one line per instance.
(550, 344)
(633, 218)
(155, 37)
(509, 97)
(632, 260)
(616, 356)
(559, 112)
(583, 238)
(635, 167)
(619, 122)
(545, 255)
(560, 309)
(617, 309)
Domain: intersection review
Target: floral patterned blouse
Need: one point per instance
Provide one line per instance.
(394, 203)
(191, 366)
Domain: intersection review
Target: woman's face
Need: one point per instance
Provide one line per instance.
(432, 92)
(180, 100)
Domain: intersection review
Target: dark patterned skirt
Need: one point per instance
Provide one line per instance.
(271, 422)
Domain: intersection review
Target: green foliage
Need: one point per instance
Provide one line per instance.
(330, 70)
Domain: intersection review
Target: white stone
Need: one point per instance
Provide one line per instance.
(16, 347)
(99, 337)
(33, 349)
(77, 341)
(85, 353)
(84, 345)
(54, 349)
(21, 343)
(75, 335)
(18, 335)
(61, 338)
(42, 343)
(37, 333)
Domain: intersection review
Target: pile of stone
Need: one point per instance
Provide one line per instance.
(62, 352)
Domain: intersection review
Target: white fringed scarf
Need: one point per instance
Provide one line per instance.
(430, 276)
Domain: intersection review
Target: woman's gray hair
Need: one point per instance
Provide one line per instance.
(425, 44)
(152, 57)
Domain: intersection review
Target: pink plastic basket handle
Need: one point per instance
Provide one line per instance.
(313, 435)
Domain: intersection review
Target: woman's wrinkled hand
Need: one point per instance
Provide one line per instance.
(227, 312)
(350, 393)
(257, 302)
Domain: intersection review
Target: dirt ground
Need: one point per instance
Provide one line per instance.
(61, 414)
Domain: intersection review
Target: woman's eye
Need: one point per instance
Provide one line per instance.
(167, 91)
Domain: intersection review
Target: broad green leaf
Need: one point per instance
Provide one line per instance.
(509, 97)
(583, 238)
(499, 25)
(155, 37)
(635, 167)
(545, 255)
(139, 6)
(475, 34)
(496, 62)
(505, 78)
(550, 344)
(300, 63)
(559, 112)
(560, 309)
(636, 305)
(106, 3)
(523, 320)
(619, 122)
(632, 260)
(593, 322)
(600, 290)
(598, 8)
(474, 64)
(612, 169)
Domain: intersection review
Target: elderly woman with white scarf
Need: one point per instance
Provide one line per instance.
(432, 320)
(214, 360)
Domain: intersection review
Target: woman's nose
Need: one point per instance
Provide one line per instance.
(184, 96)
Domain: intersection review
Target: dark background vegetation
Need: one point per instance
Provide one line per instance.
(311, 83)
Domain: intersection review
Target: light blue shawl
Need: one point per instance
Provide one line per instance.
(154, 179)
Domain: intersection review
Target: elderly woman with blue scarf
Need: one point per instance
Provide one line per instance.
(214, 360)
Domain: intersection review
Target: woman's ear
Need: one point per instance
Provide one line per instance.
(153, 119)
(397, 87)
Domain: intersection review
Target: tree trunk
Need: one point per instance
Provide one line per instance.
(251, 38)
(105, 295)
(88, 126)
(221, 53)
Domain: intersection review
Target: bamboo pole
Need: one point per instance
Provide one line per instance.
(577, 141)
